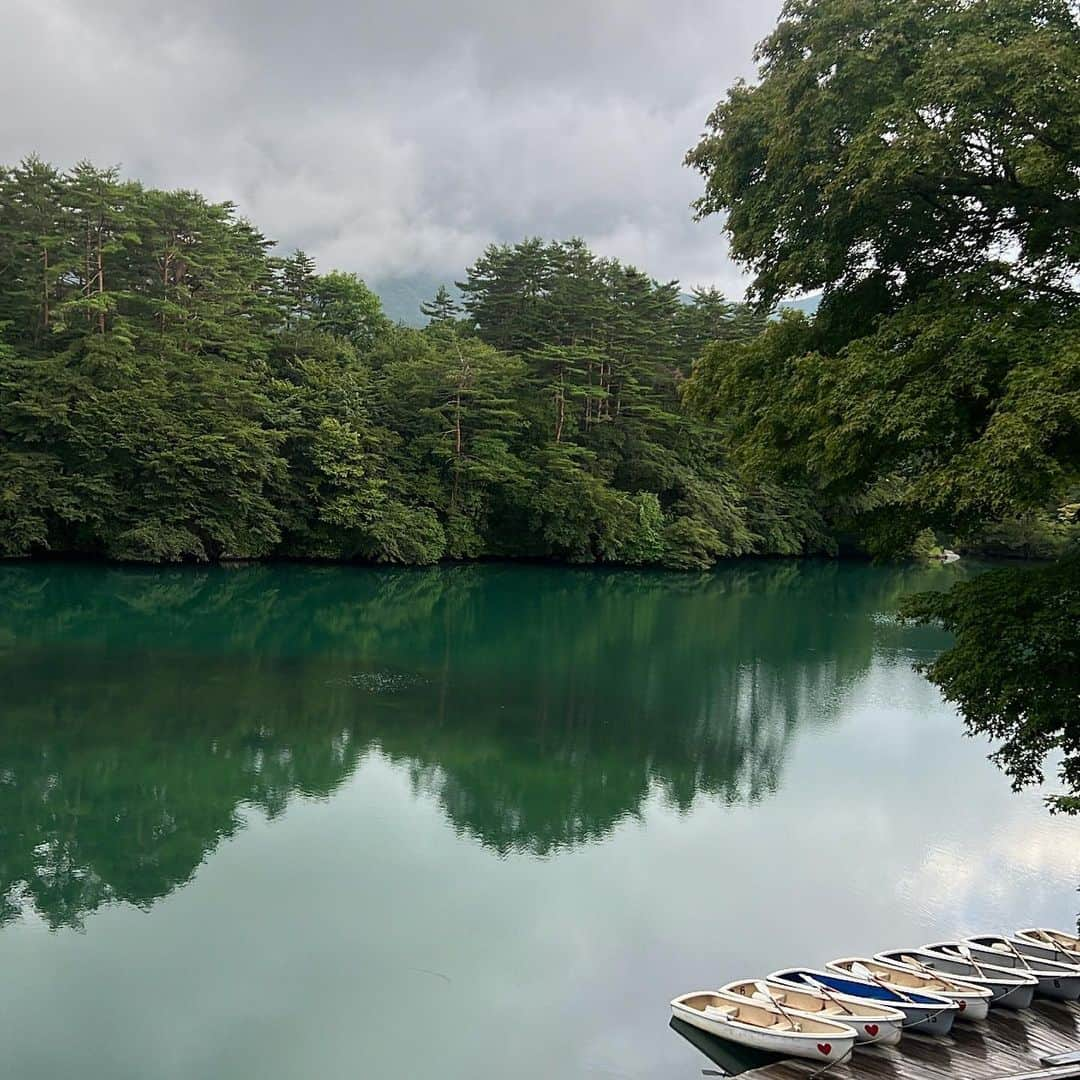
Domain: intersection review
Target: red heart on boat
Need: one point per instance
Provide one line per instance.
(871, 1029)
(963, 1005)
(825, 1048)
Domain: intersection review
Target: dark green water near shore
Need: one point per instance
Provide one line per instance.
(479, 821)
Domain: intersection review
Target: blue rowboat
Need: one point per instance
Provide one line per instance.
(926, 1013)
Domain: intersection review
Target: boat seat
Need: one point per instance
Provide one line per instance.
(724, 1010)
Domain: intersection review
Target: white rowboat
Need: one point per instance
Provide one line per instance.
(1056, 980)
(872, 1023)
(1048, 944)
(1009, 989)
(764, 1027)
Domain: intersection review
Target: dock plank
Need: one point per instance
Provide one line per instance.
(1005, 1046)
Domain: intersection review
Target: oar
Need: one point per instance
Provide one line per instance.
(763, 989)
(865, 973)
(915, 962)
(965, 952)
(829, 994)
(1019, 956)
(1069, 954)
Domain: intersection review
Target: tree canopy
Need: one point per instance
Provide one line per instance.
(905, 139)
(918, 161)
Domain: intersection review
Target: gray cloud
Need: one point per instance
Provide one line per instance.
(392, 138)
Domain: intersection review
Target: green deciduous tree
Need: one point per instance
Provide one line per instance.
(918, 162)
(906, 138)
(1015, 668)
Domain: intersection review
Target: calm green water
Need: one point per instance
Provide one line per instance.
(477, 822)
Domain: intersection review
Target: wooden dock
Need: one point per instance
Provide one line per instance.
(1006, 1045)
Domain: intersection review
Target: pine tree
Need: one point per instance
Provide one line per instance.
(442, 308)
(297, 282)
(36, 250)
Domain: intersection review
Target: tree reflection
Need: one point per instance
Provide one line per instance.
(145, 710)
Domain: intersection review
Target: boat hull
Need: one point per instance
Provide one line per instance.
(1060, 982)
(1013, 989)
(888, 1032)
(831, 1048)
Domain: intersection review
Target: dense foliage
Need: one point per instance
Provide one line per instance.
(1015, 668)
(919, 161)
(903, 141)
(169, 389)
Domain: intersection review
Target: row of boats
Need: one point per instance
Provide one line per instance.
(822, 1013)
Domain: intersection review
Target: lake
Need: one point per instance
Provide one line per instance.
(472, 821)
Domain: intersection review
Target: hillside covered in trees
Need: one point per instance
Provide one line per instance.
(172, 390)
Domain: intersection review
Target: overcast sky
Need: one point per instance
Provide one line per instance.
(387, 138)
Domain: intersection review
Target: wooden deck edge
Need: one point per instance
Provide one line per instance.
(1056, 1072)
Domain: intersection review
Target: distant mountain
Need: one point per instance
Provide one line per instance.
(808, 305)
(402, 296)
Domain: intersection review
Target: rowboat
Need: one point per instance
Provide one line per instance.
(927, 1013)
(1009, 989)
(764, 1027)
(1048, 944)
(872, 1023)
(903, 983)
(1056, 980)
(973, 1002)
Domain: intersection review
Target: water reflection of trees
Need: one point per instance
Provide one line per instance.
(144, 710)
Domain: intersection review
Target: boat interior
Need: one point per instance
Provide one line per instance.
(790, 999)
(952, 950)
(936, 981)
(754, 1015)
(1003, 956)
(893, 975)
(1070, 943)
(982, 971)
(1001, 945)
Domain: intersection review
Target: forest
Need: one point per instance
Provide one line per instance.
(170, 389)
